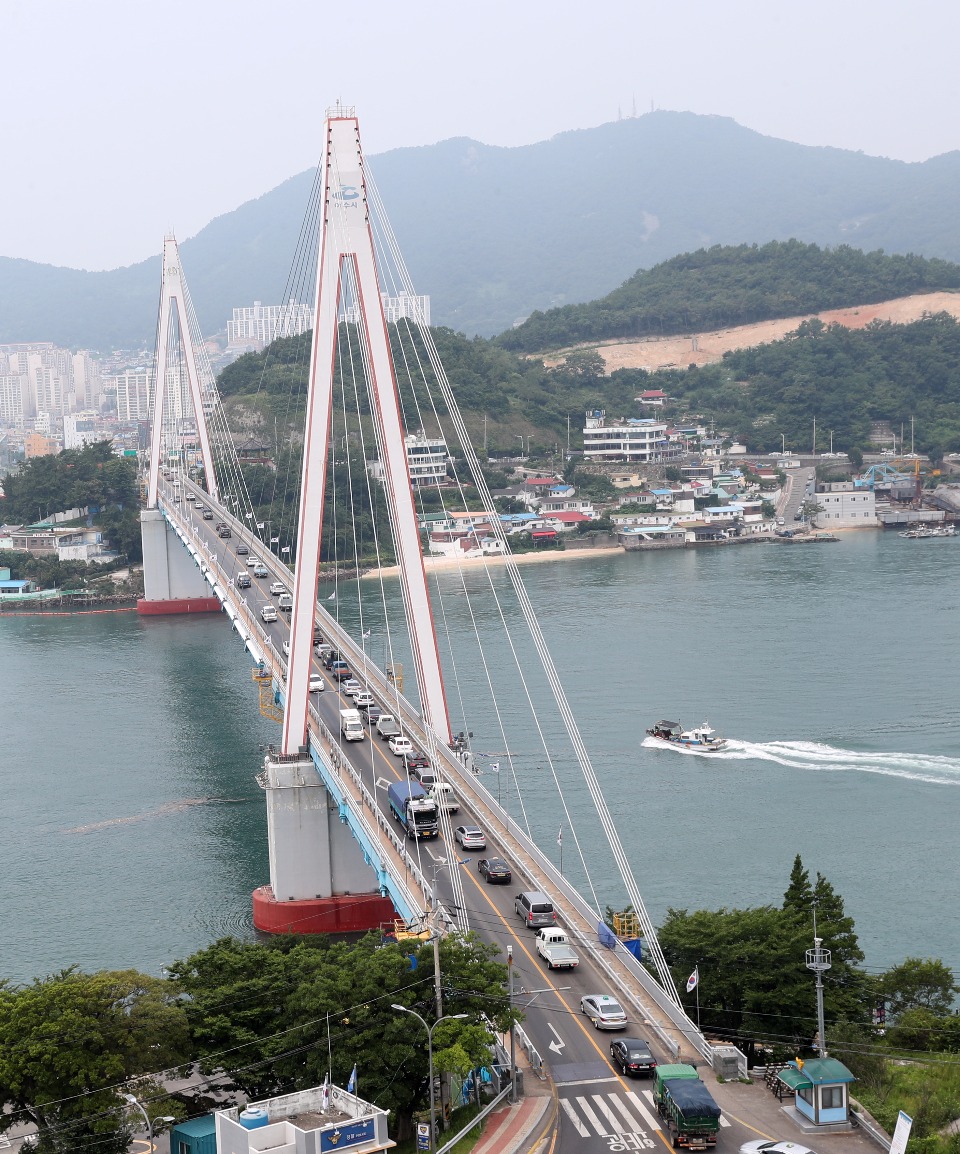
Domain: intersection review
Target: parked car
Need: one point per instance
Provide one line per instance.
(495, 869)
(399, 745)
(268, 613)
(277, 588)
(633, 1057)
(317, 684)
(470, 837)
(605, 1012)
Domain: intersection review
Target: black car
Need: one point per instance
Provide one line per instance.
(207, 515)
(632, 1057)
(416, 760)
(495, 869)
(374, 713)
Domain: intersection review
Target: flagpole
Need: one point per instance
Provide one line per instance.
(698, 995)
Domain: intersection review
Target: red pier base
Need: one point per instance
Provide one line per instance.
(341, 914)
(179, 605)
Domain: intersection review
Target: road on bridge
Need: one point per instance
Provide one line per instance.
(594, 1104)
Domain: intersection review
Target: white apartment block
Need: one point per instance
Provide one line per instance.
(406, 305)
(426, 459)
(15, 399)
(80, 429)
(134, 394)
(256, 327)
(634, 439)
(54, 382)
(845, 507)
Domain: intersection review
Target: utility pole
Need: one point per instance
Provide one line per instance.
(513, 1030)
(818, 960)
(814, 436)
(484, 432)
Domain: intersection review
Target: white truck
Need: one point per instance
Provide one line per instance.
(351, 725)
(444, 796)
(553, 946)
(387, 726)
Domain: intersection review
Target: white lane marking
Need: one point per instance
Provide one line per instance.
(572, 1115)
(635, 1125)
(591, 1117)
(609, 1115)
(644, 1112)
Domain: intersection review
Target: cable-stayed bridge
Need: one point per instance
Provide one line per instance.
(338, 858)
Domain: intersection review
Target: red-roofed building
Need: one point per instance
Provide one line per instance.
(566, 519)
(653, 397)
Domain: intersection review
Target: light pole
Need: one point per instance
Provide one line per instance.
(135, 1101)
(429, 1029)
(783, 444)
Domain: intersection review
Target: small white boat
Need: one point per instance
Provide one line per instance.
(700, 739)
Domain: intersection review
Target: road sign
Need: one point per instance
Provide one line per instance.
(901, 1134)
(423, 1135)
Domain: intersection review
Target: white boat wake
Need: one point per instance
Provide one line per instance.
(817, 757)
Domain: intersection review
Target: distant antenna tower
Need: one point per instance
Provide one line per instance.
(818, 960)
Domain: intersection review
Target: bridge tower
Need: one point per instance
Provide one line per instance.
(172, 583)
(300, 853)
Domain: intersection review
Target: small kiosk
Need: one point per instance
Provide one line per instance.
(820, 1085)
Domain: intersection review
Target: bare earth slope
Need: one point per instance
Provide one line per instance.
(705, 348)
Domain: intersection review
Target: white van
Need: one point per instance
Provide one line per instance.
(268, 613)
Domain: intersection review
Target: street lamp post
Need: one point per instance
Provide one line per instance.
(135, 1101)
(783, 444)
(429, 1029)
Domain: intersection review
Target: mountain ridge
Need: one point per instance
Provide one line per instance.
(494, 232)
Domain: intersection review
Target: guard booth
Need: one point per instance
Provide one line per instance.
(821, 1088)
(194, 1136)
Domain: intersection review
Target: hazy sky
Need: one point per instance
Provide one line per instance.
(122, 118)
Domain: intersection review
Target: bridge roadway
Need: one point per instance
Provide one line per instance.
(593, 1102)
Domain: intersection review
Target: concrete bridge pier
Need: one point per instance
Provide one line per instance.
(319, 879)
(172, 583)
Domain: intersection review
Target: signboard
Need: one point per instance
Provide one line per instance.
(423, 1135)
(350, 1134)
(901, 1134)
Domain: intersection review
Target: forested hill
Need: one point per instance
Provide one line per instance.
(725, 286)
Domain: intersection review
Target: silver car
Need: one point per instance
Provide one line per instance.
(605, 1012)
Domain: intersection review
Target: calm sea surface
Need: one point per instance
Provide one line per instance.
(134, 831)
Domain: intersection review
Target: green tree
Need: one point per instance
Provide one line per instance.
(265, 1013)
(919, 983)
(69, 1042)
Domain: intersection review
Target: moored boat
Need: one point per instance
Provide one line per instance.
(700, 739)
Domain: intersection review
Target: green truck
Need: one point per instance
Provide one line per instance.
(686, 1107)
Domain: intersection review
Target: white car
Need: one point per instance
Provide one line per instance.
(400, 745)
(286, 648)
(317, 684)
(268, 613)
(277, 588)
(605, 1012)
(350, 686)
(470, 836)
(364, 699)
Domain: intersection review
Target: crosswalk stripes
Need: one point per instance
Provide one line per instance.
(607, 1115)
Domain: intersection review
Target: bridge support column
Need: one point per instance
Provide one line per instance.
(172, 583)
(319, 878)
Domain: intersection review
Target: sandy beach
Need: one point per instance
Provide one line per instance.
(439, 564)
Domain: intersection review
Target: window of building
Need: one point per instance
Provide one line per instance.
(831, 1097)
(806, 1093)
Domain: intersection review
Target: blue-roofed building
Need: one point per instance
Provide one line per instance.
(15, 588)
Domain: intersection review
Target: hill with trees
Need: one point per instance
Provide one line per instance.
(725, 286)
(493, 234)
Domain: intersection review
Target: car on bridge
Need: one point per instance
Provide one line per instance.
(470, 837)
(350, 686)
(258, 569)
(317, 684)
(364, 699)
(268, 613)
(633, 1057)
(416, 759)
(286, 648)
(225, 532)
(208, 515)
(242, 550)
(605, 1012)
(277, 588)
(399, 745)
(495, 870)
(374, 713)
